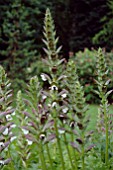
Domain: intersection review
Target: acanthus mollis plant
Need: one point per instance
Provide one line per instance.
(77, 114)
(56, 95)
(6, 123)
(104, 121)
(33, 123)
(21, 158)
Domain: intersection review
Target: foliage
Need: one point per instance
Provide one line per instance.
(18, 41)
(105, 35)
(72, 19)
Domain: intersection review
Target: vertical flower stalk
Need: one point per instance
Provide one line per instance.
(35, 123)
(81, 109)
(53, 63)
(102, 83)
(77, 114)
(71, 78)
(6, 111)
(22, 146)
(36, 118)
(32, 120)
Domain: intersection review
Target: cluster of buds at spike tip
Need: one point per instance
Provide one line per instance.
(6, 111)
(102, 73)
(50, 33)
(71, 78)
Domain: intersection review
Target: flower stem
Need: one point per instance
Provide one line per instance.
(68, 151)
(83, 164)
(49, 156)
(72, 139)
(59, 144)
(12, 161)
(107, 136)
(43, 163)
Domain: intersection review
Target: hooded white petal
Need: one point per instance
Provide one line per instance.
(13, 113)
(25, 131)
(1, 144)
(54, 104)
(29, 142)
(5, 132)
(54, 87)
(13, 126)
(64, 95)
(8, 117)
(65, 110)
(43, 77)
(44, 97)
(1, 162)
(13, 138)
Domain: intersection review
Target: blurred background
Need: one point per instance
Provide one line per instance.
(82, 26)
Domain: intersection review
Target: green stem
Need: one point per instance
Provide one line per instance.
(83, 164)
(49, 156)
(43, 164)
(75, 161)
(107, 135)
(12, 161)
(59, 144)
(68, 151)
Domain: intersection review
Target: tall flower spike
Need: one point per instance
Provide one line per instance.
(5, 117)
(102, 83)
(81, 109)
(20, 119)
(78, 109)
(50, 33)
(36, 124)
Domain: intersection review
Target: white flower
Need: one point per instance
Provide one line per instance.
(65, 110)
(43, 77)
(13, 126)
(10, 133)
(42, 136)
(29, 142)
(29, 69)
(13, 113)
(61, 131)
(44, 97)
(1, 162)
(6, 149)
(49, 105)
(26, 117)
(25, 131)
(1, 144)
(5, 132)
(40, 105)
(54, 104)
(54, 87)
(8, 117)
(65, 76)
(64, 95)
(13, 138)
